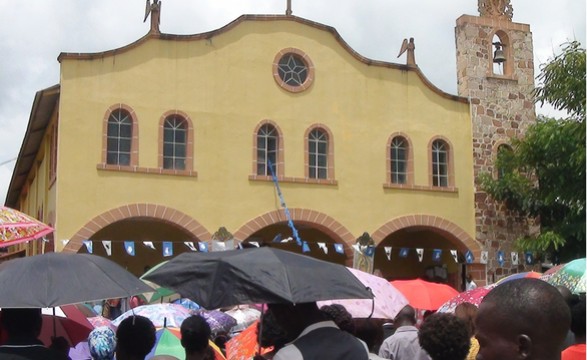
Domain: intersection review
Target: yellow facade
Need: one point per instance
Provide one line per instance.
(223, 82)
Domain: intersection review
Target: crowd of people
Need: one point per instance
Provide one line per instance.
(519, 319)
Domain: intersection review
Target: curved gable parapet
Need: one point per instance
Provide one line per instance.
(243, 18)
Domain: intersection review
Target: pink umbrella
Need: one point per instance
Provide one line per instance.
(474, 296)
(17, 227)
(388, 300)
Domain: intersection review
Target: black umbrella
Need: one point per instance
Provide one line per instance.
(257, 275)
(54, 279)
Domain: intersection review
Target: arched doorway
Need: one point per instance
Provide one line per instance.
(139, 223)
(428, 234)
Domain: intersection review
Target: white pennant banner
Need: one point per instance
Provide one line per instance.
(388, 252)
(107, 246)
(420, 254)
(322, 246)
(454, 255)
(149, 244)
(484, 257)
(190, 245)
(514, 258)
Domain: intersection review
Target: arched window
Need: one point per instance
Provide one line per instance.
(267, 149)
(119, 138)
(318, 154)
(501, 54)
(175, 138)
(440, 163)
(398, 160)
(503, 153)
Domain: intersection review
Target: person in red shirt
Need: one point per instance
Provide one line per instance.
(577, 351)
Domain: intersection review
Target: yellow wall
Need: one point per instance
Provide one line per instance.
(225, 85)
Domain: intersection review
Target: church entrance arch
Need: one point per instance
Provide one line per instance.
(139, 223)
(313, 227)
(414, 240)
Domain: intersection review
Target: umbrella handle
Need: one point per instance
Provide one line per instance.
(259, 336)
(54, 324)
(372, 303)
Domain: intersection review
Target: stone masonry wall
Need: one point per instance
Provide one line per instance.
(502, 107)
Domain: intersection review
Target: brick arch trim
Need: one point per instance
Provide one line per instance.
(154, 211)
(322, 221)
(455, 232)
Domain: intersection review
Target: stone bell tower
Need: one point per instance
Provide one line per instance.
(495, 70)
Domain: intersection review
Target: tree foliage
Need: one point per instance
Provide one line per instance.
(544, 175)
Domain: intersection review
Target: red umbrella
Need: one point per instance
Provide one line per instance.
(17, 227)
(423, 294)
(474, 296)
(68, 322)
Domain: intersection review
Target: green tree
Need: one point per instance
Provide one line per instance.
(544, 175)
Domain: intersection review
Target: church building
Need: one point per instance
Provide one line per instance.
(273, 131)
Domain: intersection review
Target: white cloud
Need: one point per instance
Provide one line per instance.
(36, 31)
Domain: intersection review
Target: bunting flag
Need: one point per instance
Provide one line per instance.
(469, 257)
(403, 252)
(339, 248)
(323, 246)
(484, 257)
(149, 244)
(190, 245)
(167, 248)
(529, 258)
(129, 247)
(89, 246)
(203, 246)
(514, 258)
(305, 247)
(65, 242)
(370, 251)
(277, 238)
(500, 258)
(254, 243)
(455, 255)
(420, 253)
(388, 252)
(218, 245)
(107, 246)
(437, 255)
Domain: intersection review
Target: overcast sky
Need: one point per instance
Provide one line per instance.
(34, 32)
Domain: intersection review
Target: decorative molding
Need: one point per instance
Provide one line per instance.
(497, 9)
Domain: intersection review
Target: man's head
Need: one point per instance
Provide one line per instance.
(341, 317)
(467, 312)
(195, 334)
(21, 323)
(406, 316)
(522, 319)
(578, 320)
(136, 337)
(444, 337)
(294, 318)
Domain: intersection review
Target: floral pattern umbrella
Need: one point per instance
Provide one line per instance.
(571, 276)
(17, 227)
(388, 300)
(219, 321)
(474, 296)
(161, 315)
(550, 272)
